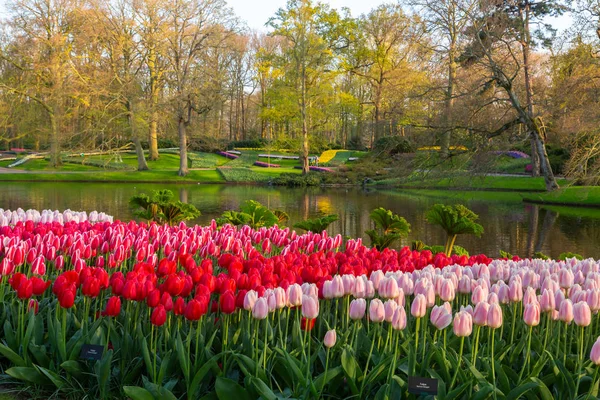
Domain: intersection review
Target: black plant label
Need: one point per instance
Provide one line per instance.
(426, 386)
(91, 352)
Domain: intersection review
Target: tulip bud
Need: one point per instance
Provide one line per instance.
(595, 353)
(419, 306)
(357, 309)
(462, 324)
(330, 339)
(582, 314)
(494, 316)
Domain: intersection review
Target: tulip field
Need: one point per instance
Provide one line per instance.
(102, 309)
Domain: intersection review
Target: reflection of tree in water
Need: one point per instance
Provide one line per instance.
(581, 230)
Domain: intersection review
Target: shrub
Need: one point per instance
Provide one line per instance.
(389, 228)
(297, 180)
(316, 225)
(393, 145)
(454, 220)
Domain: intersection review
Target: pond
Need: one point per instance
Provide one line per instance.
(509, 224)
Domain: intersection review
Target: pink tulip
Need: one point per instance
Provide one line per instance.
(515, 291)
(349, 283)
(388, 288)
(376, 277)
(360, 288)
(479, 294)
(328, 290)
(463, 324)
(280, 297)
(547, 301)
(337, 287)
(330, 339)
(440, 317)
(593, 299)
(370, 290)
(480, 314)
(565, 312)
(582, 314)
(399, 319)
(595, 353)
(447, 292)
(390, 307)
(376, 311)
(294, 295)
(464, 285)
(494, 317)
(357, 309)
(531, 315)
(418, 307)
(260, 309)
(310, 307)
(250, 300)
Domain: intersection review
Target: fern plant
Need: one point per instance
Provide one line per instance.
(389, 227)
(252, 213)
(162, 208)
(454, 220)
(316, 225)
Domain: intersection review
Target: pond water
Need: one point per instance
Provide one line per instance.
(509, 224)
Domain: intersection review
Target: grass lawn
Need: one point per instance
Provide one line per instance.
(509, 165)
(510, 183)
(477, 195)
(205, 176)
(342, 156)
(41, 164)
(574, 195)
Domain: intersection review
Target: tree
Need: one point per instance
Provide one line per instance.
(42, 54)
(384, 49)
(194, 27)
(118, 35)
(446, 21)
(311, 36)
(493, 47)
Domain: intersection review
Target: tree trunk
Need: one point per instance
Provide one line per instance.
(154, 89)
(535, 156)
(183, 161)
(55, 160)
(305, 165)
(139, 151)
(377, 105)
(447, 134)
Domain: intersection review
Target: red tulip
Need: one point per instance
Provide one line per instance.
(113, 307)
(67, 299)
(227, 302)
(39, 285)
(307, 324)
(193, 310)
(153, 298)
(179, 306)
(159, 316)
(25, 289)
(33, 305)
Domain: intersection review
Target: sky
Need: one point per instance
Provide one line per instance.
(257, 12)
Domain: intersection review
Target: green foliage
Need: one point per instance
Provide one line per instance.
(252, 213)
(162, 208)
(540, 255)
(297, 180)
(391, 145)
(505, 254)
(418, 245)
(317, 225)
(389, 228)
(454, 220)
(247, 144)
(568, 254)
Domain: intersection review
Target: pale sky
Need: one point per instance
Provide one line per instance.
(257, 12)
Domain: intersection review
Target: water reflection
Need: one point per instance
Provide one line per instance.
(509, 224)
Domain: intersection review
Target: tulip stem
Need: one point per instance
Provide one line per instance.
(580, 361)
(512, 328)
(493, 364)
(326, 368)
(527, 354)
(265, 347)
(476, 344)
(225, 339)
(256, 347)
(308, 321)
(108, 335)
(593, 383)
(197, 341)
(460, 354)
(394, 360)
(368, 360)
(417, 337)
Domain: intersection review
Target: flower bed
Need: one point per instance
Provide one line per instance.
(265, 165)
(512, 153)
(8, 217)
(228, 155)
(315, 168)
(194, 311)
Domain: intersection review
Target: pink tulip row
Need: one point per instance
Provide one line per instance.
(8, 217)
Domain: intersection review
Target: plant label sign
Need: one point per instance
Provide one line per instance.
(426, 386)
(91, 352)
